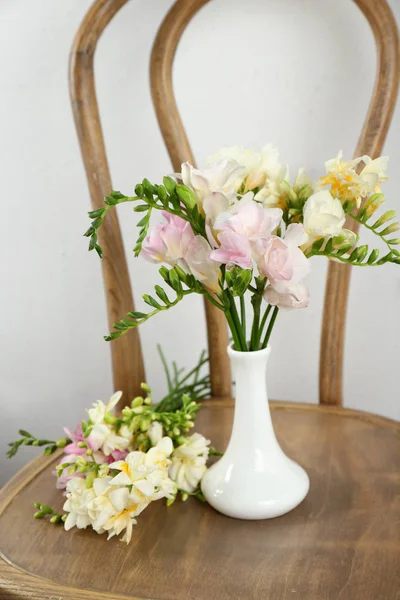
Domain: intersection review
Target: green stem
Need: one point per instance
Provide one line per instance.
(270, 327)
(166, 370)
(236, 321)
(243, 316)
(263, 321)
(256, 302)
(236, 339)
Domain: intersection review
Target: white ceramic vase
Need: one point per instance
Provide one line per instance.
(254, 479)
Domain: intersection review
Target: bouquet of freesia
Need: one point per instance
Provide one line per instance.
(115, 465)
(240, 226)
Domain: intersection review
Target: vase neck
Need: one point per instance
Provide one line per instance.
(252, 420)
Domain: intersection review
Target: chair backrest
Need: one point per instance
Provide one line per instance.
(126, 353)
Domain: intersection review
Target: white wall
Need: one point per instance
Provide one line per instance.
(295, 73)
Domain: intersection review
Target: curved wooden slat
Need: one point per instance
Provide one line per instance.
(179, 150)
(371, 141)
(127, 361)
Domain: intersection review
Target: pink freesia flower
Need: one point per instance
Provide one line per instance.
(250, 219)
(294, 296)
(281, 260)
(201, 264)
(76, 437)
(235, 249)
(116, 455)
(167, 242)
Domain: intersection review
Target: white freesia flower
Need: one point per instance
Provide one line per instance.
(114, 508)
(103, 436)
(258, 167)
(374, 172)
(188, 463)
(347, 184)
(293, 296)
(221, 176)
(323, 215)
(147, 473)
(78, 499)
(97, 413)
(155, 432)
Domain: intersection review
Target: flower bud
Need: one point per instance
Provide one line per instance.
(138, 401)
(144, 424)
(82, 445)
(61, 443)
(109, 418)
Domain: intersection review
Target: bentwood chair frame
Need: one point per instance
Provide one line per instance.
(127, 360)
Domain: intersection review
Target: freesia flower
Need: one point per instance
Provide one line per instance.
(374, 172)
(293, 296)
(155, 432)
(281, 260)
(347, 184)
(188, 463)
(221, 176)
(137, 467)
(250, 219)
(99, 409)
(76, 505)
(105, 438)
(168, 241)
(201, 265)
(235, 249)
(114, 508)
(259, 167)
(323, 215)
(76, 437)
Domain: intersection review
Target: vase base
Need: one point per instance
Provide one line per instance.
(273, 493)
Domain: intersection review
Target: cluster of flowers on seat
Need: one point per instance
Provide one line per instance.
(114, 466)
(242, 225)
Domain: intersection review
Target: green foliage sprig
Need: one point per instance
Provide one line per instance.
(175, 278)
(45, 511)
(27, 439)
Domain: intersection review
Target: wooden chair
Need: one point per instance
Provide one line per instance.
(341, 542)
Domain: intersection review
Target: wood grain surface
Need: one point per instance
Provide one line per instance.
(342, 542)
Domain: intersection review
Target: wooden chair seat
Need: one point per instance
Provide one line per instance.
(342, 542)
